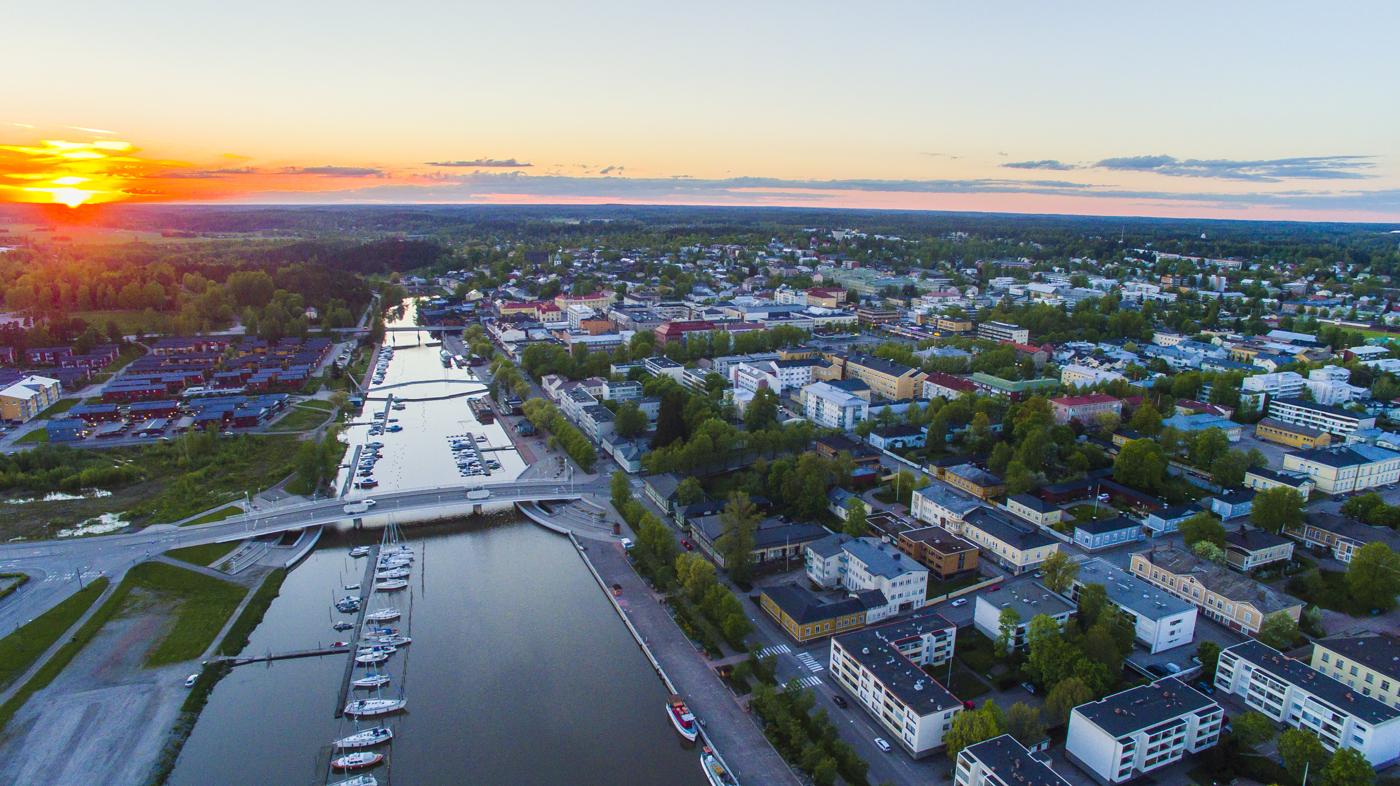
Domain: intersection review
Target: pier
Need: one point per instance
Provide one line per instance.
(289, 655)
(366, 590)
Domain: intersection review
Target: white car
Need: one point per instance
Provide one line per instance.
(882, 745)
(959, 602)
(190, 680)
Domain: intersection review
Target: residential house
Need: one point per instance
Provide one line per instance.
(776, 542)
(974, 480)
(1236, 601)
(1230, 505)
(1099, 534)
(942, 505)
(806, 616)
(1014, 545)
(1340, 535)
(944, 554)
(1347, 468)
(1034, 509)
(1263, 479)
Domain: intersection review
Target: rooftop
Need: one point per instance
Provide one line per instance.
(1145, 706)
(881, 558)
(1012, 763)
(875, 648)
(1380, 652)
(1321, 686)
(1130, 592)
(1218, 579)
(1028, 597)
(1006, 530)
(804, 606)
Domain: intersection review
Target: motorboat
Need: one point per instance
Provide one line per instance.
(383, 615)
(358, 780)
(371, 658)
(367, 707)
(387, 649)
(381, 631)
(393, 573)
(342, 626)
(391, 585)
(357, 761)
(371, 681)
(683, 720)
(715, 772)
(347, 606)
(359, 551)
(366, 738)
(352, 587)
(394, 640)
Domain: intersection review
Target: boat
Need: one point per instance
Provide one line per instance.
(393, 640)
(359, 551)
(371, 681)
(366, 707)
(358, 780)
(391, 585)
(342, 626)
(366, 738)
(376, 648)
(347, 605)
(383, 630)
(352, 586)
(396, 573)
(714, 771)
(383, 615)
(357, 761)
(683, 720)
(371, 658)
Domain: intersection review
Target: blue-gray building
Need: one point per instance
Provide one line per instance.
(1106, 533)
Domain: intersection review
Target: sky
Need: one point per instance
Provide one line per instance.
(1272, 110)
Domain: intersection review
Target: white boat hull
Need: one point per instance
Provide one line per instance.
(365, 739)
(383, 615)
(392, 585)
(369, 707)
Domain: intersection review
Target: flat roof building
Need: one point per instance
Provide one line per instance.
(1002, 761)
(1142, 729)
(1161, 621)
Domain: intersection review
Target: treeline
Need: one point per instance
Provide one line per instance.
(540, 360)
(546, 416)
(50, 468)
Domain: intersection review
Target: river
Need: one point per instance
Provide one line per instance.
(519, 673)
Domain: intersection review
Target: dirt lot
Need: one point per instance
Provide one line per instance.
(105, 718)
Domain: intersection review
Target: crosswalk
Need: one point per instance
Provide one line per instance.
(810, 682)
(777, 649)
(812, 664)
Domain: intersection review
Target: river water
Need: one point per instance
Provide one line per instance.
(519, 673)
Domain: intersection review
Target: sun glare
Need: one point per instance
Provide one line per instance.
(63, 172)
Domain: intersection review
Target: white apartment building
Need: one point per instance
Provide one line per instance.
(941, 505)
(1283, 384)
(661, 365)
(882, 668)
(859, 564)
(1289, 692)
(832, 407)
(1161, 621)
(1029, 599)
(1322, 417)
(1077, 376)
(1142, 729)
(1002, 761)
(776, 375)
(1003, 331)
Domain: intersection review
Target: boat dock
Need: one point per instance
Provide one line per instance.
(289, 655)
(366, 590)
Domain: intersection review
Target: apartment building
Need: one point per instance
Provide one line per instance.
(1290, 435)
(1345, 468)
(1016, 546)
(1233, 600)
(1370, 664)
(942, 505)
(1297, 412)
(1029, 599)
(860, 564)
(660, 365)
(944, 554)
(1142, 729)
(25, 398)
(1161, 621)
(974, 480)
(827, 405)
(882, 668)
(1077, 376)
(886, 378)
(1283, 384)
(1289, 692)
(1003, 331)
(1002, 761)
(1084, 409)
(940, 385)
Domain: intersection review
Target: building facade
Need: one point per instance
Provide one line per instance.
(1142, 729)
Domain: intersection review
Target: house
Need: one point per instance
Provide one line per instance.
(1106, 533)
(1290, 435)
(1230, 504)
(1164, 521)
(1142, 729)
(806, 616)
(898, 437)
(1087, 409)
(839, 500)
(1347, 468)
(1160, 621)
(1034, 509)
(860, 564)
(1370, 664)
(944, 554)
(974, 480)
(1247, 548)
(1236, 601)
(1263, 479)
(883, 669)
(1002, 761)
(1340, 535)
(1016, 546)
(1028, 599)
(775, 541)
(1334, 420)
(942, 505)
(67, 429)
(1289, 692)
(661, 489)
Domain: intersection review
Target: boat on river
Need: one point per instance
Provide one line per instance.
(371, 658)
(372, 680)
(683, 720)
(387, 614)
(359, 551)
(361, 708)
(391, 585)
(393, 573)
(366, 738)
(714, 771)
(358, 780)
(357, 761)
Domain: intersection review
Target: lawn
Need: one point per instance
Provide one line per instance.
(39, 436)
(205, 554)
(302, 418)
(964, 684)
(11, 582)
(201, 606)
(213, 516)
(62, 406)
(940, 588)
(1087, 512)
(19, 649)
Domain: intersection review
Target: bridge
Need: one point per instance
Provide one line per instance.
(399, 329)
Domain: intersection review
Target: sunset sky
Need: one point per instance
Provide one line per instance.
(1231, 110)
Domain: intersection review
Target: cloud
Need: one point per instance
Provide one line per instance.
(205, 174)
(335, 171)
(1270, 170)
(942, 155)
(484, 163)
(1045, 163)
(612, 169)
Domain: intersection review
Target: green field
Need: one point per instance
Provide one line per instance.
(202, 604)
(205, 554)
(38, 436)
(302, 417)
(60, 407)
(213, 516)
(19, 649)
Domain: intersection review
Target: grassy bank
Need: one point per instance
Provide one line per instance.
(201, 606)
(19, 649)
(252, 615)
(205, 554)
(212, 516)
(67, 652)
(302, 418)
(15, 581)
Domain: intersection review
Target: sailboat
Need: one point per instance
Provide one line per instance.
(358, 780)
(359, 551)
(386, 614)
(357, 761)
(366, 738)
(393, 573)
(371, 658)
(391, 585)
(361, 708)
(371, 680)
(393, 640)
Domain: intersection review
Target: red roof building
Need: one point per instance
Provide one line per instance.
(1085, 409)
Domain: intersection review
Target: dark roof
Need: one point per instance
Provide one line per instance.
(1004, 529)
(1101, 526)
(1380, 652)
(874, 648)
(1248, 539)
(1313, 405)
(880, 364)
(804, 606)
(1034, 503)
(1013, 763)
(1145, 706)
(1236, 497)
(1323, 688)
(939, 540)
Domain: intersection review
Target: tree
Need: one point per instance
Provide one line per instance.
(855, 518)
(1373, 577)
(1146, 421)
(738, 522)
(1065, 696)
(1276, 509)
(1209, 654)
(1050, 657)
(689, 492)
(1140, 464)
(1203, 527)
(1252, 729)
(1007, 623)
(1278, 630)
(973, 726)
(1093, 602)
(762, 411)
(1023, 723)
(1209, 552)
(1059, 571)
(1348, 768)
(695, 574)
(629, 421)
(621, 489)
(1301, 750)
(670, 419)
(1229, 469)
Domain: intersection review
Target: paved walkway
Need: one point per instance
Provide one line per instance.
(112, 582)
(732, 730)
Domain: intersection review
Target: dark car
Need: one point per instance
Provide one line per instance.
(838, 700)
(1159, 670)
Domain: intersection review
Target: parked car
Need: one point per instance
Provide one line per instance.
(882, 745)
(959, 602)
(1028, 688)
(839, 700)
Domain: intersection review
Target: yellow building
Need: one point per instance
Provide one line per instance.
(1014, 545)
(1234, 600)
(1292, 436)
(1368, 664)
(972, 479)
(599, 300)
(887, 379)
(806, 616)
(23, 400)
